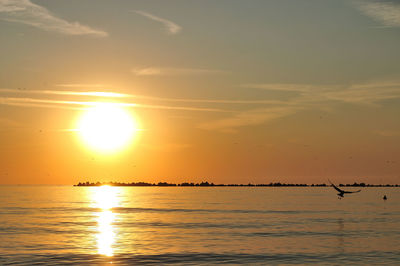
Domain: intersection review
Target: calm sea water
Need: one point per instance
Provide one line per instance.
(218, 225)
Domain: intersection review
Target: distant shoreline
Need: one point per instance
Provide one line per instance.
(207, 184)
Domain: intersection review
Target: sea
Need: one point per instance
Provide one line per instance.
(66, 225)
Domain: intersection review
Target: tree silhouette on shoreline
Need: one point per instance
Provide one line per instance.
(207, 184)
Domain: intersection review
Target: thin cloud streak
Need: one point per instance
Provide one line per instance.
(6, 100)
(26, 12)
(248, 118)
(216, 101)
(171, 71)
(387, 133)
(81, 85)
(385, 12)
(143, 97)
(368, 93)
(68, 93)
(166, 107)
(172, 28)
(282, 87)
(32, 102)
(308, 97)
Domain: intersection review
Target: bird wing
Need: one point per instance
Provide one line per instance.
(335, 187)
(352, 191)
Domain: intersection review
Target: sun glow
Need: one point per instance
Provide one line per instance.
(107, 127)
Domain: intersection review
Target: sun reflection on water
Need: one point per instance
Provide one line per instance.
(106, 236)
(106, 197)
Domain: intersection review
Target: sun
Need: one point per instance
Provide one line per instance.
(107, 127)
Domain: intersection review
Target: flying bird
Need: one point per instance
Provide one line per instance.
(342, 192)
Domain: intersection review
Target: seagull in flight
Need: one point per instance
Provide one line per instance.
(342, 192)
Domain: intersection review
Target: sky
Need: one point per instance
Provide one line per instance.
(226, 91)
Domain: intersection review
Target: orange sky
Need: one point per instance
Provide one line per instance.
(277, 93)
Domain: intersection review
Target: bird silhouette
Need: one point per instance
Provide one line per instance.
(342, 192)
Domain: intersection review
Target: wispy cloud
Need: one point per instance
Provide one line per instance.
(67, 104)
(71, 93)
(170, 71)
(26, 12)
(367, 93)
(282, 87)
(171, 27)
(211, 101)
(363, 93)
(81, 85)
(105, 94)
(248, 118)
(387, 133)
(182, 108)
(385, 12)
(250, 113)
(308, 97)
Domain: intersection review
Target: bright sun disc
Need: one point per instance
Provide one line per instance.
(107, 127)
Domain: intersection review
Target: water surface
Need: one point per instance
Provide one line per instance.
(197, 225)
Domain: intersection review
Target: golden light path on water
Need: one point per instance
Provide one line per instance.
(106, 197)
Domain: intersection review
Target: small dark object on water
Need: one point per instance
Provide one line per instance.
(384, 197)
